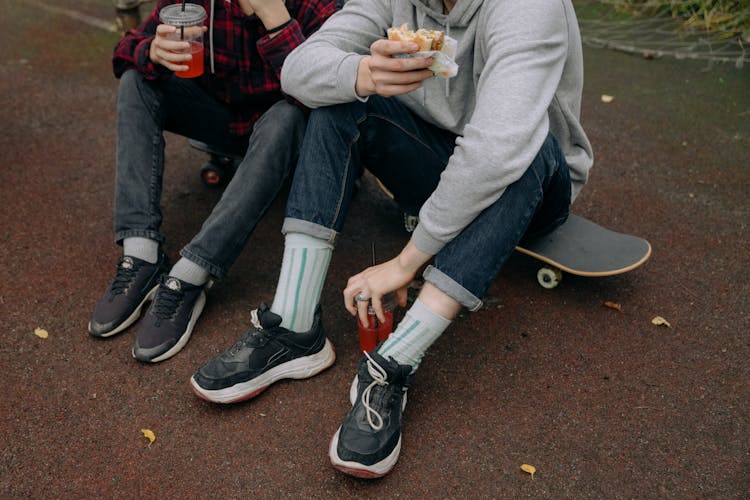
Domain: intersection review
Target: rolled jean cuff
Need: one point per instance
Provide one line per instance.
(292, 225)
(215, 271)
(455, 291)
(138, 233)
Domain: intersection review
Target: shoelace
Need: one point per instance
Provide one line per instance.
(257, 333)
(255, 320)
(166, 302)
(123, 278)
(379, 377)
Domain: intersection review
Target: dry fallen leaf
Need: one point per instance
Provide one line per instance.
(148, 434)
(529, 469)
(659, 321)
(41, 333)
(613, 305)
(607, 98)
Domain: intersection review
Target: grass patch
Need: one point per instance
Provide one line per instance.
(729, 18)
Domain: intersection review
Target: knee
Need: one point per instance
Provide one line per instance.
(131, 88)
(547, 160)
(282, 120)
(338, 114)
(129, 81)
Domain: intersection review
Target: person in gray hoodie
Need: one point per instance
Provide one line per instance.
(487, 158)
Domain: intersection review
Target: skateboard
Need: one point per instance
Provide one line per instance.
(220, 167)
(584, 248)
(579, 247)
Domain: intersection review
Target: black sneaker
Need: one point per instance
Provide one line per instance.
(368, 442)
(120, 306)
(265, 354)
(169, 321)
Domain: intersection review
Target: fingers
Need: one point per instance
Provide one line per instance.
(389, 48)
(400, 64)
(357, 288)
(392, 75)
(168, 51)
(165, 29)
(377, 306)
(362, 311)
(402, 296)
(352, 289)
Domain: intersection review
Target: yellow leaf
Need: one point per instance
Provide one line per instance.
(607, 98)
(613, 305)
(41, 333)
(659, 321)
(149, 434)
(529, 469)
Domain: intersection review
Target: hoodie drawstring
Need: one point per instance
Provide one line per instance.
(447, 80)
(211, 36)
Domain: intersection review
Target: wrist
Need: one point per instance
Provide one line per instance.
(411, 258)
(273, 16)
(364, 85)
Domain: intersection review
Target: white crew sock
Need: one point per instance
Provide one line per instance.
(303, 271)
(189, 271)
(414, 335)
(141, 248)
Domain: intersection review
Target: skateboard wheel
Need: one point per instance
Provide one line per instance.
(549, 278)
(212, 175)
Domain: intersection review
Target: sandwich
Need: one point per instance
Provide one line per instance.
(426, 39)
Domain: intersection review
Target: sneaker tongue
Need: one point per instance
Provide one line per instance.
(267, 318)
(173, 284)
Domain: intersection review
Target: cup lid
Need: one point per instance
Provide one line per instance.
(173, 15)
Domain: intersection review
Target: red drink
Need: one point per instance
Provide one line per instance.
(187, 19)
(195, 66)
(375, 331)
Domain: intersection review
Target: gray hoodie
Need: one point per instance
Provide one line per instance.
(520, 76)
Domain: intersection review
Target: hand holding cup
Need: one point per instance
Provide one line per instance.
(169, 51)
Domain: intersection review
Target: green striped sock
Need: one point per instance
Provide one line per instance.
(414, 335)
(303, 271)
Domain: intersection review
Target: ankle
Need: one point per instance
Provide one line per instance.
(190, 272)
(141, 248)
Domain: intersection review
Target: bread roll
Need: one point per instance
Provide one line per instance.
(426, 39)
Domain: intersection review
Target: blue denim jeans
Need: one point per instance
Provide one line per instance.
(408, 154)
(145, 109)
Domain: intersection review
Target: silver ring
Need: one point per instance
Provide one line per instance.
(360, 297)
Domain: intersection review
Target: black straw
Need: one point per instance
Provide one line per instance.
(182, 28)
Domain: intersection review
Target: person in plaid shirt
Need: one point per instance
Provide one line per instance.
(236, 106)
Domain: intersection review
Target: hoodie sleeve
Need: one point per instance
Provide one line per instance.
(323, 70)
(525, 45)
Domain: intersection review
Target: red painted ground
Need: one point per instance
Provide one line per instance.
(603, 403)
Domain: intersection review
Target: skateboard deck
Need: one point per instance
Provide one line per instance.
(584, 248)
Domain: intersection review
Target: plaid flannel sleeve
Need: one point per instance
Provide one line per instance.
(132, 51)
(310, 17)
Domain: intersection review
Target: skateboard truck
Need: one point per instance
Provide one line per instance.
(220, 167)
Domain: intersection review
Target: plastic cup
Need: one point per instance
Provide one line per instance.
(375, 331)
(189, 24)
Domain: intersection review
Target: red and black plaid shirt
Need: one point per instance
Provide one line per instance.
(247, 62)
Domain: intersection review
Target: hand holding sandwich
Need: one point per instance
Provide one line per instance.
(381, 73)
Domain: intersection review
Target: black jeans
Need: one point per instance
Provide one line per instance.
(145, 109)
